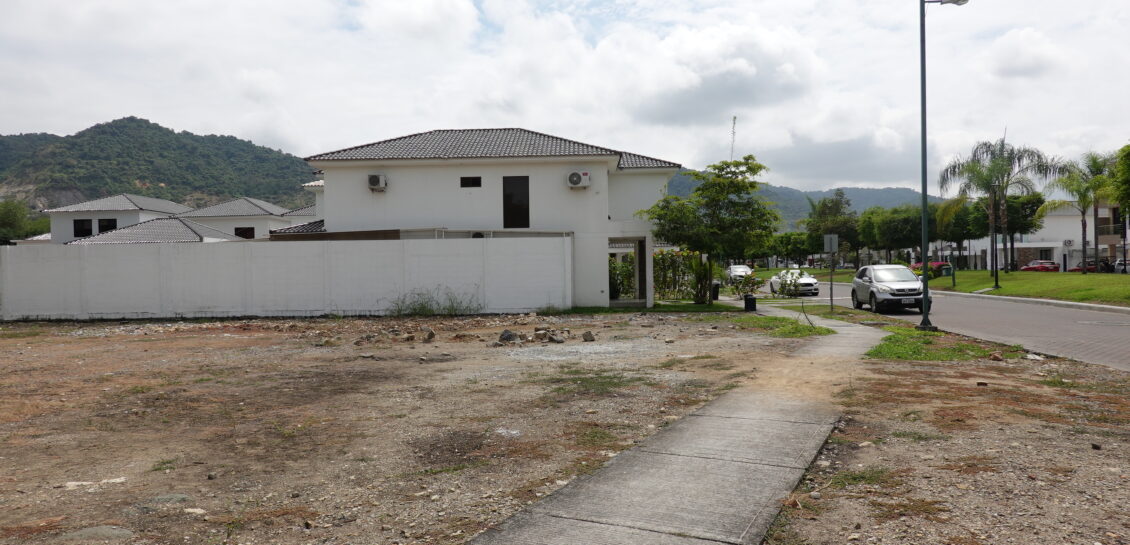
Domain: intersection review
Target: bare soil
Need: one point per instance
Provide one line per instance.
(362, 431)
(335, 430)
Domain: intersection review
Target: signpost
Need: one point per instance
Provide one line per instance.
(831, 246)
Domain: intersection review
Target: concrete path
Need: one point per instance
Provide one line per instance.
(716, 476)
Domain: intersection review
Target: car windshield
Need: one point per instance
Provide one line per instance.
(796, 273)
(895, 275)
(739, 268)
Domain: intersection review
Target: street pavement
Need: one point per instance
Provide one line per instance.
(1089, 333)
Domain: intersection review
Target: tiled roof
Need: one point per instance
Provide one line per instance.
(483, 143)
(125, 201)
(311, 227)
(304, 211)
(157, 230)
(633, 160)
(38, 238)
(315, 183)
(243, 206)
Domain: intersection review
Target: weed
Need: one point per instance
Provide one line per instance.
(165, 465)
(438, 301)
(19, 334)
(595, 438)
(777, 326)
(667, 364)
(919, 437)
(877, 476)
(913, 507)
(588, 382)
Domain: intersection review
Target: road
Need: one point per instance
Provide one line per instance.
(1092, 336)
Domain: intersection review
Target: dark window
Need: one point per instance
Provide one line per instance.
(83, 228)
(107, 224)
(471, 181)
(1046, 254)
(515, 201)
(245, 232)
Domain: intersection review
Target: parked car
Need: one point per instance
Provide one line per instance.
(737, 272)
(881, 286)
(794, 282)
(1090, 264)
(1041, 265)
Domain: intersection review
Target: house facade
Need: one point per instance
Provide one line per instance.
(107, 214)
(501, 182)
(244, 217)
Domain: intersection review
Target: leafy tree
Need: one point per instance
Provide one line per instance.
(723, 217)
(1086, 188)
(961, 225)
(901, 227)
(1120, 177)
(995, 169)
(792, 246)
(833, 215)
(13, 221)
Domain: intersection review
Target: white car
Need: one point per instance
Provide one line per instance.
(794, 282)
(735, 273)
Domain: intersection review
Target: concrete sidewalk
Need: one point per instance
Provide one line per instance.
(716, 476)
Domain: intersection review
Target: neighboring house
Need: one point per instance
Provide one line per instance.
(1060, 240)
(106, 214)
(160, 230)
(244, 217)
(45, 238)
(497, 182)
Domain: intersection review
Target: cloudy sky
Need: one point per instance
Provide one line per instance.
(825, 91)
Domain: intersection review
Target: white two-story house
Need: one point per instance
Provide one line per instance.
(495, 183)
(106, 214)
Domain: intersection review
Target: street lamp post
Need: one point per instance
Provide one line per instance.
(926, 325)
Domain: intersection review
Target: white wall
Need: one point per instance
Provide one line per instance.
(428, 195)
(278, 278)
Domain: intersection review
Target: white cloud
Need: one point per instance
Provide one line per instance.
(826, 93)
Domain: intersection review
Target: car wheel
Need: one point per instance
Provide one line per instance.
(874, 303)
(855, 302)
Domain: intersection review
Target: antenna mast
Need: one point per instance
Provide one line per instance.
(733, 135)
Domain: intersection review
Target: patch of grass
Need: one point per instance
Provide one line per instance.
(20, 334)
(450, 469)
(663, 307)
(877, 476)
(589, 382)
(595, 437)
(908, 343)
(164, 465)
(919, 437)
(778, 326)
(912, 507)
(1110, 289)
(970, 465)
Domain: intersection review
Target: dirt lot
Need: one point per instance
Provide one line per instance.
(334, 431)
(363, 431)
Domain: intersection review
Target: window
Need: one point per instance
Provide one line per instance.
(471, 181)
(107, 224)
(245, 232)
(1046, 254)
(83, 228)
(515, 201)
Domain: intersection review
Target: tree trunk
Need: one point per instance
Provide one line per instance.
(1083, 264)
(1095, 226)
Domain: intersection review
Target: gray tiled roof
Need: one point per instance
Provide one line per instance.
(318, 226)
(157, 230)
(304, 211)
(483, 143)
(125, 201)
(243, 206)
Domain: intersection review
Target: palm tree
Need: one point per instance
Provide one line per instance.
(1087, 182)
(995, 169)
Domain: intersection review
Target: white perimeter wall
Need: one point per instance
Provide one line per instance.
(278, 278)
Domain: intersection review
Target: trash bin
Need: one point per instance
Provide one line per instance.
(750, 302)
(947, 270)
(714, 289)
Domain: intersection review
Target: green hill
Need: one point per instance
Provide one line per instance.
(793, 206)
(132, 155)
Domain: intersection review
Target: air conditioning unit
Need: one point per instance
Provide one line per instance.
(378, 182)
(578, 179)
(1068, 242)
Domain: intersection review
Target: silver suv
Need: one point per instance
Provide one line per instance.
(882, 286)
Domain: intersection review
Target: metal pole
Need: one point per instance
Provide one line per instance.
(925, 325)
